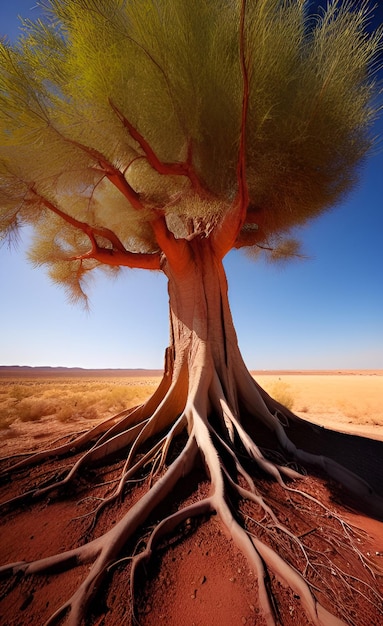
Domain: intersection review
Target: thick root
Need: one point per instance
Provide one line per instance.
(219, 439)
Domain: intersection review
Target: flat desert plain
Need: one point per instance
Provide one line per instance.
(350, 401)
(41, 404)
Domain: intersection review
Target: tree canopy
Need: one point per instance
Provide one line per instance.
(160, 134)
(116, 112)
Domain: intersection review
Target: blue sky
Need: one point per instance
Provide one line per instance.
(322, 313)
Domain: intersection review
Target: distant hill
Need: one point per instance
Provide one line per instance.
(24, 371)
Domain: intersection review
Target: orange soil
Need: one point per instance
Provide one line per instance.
(200, 579)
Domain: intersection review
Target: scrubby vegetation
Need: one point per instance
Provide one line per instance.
(69, 399)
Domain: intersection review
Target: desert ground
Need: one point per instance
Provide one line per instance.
(31, 399)
(201, 580)
(349, 401)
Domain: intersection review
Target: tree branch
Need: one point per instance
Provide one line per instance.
(117, 255)
(226, 234)
(113, 174)
(177, 251)
(116, 258)
(243, 194)
(168, 169)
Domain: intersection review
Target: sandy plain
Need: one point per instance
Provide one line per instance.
(38, 404)
(349, 401)
(203, 580)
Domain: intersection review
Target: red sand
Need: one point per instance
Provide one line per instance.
(197, 579)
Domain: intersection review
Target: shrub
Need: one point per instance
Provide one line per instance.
(280, 391)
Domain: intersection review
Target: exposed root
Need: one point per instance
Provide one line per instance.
(106, 430)
(93, 455)
(315, 611)
(220, 439)
(131, 431)
(161, 448)
(105, 549)
(165, 527)
(57, 451)
(272, 414)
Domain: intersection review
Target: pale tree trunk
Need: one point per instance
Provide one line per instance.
(204, 361)
(203, 338)
(207, 393)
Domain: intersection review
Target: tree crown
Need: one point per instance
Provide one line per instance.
(126, 123)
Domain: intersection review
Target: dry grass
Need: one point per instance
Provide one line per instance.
(350, 402)
(66, 400)
(281, 391)
(33, 410)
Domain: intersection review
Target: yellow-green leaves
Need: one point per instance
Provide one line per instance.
(171, 69)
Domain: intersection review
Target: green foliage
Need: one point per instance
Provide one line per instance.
(310, 108)
(172, 70)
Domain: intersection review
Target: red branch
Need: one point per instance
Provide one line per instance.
(118, 179)
(117, 255)
(243, 193)
(177, 251)
(226, 234)
(167, 169)
(115, 176)
(136, 260)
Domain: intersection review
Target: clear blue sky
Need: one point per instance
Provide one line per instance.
(325, 312)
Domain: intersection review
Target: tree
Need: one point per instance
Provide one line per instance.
(160, 135)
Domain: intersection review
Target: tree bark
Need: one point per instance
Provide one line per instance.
(231, 421)
(202, 334)
(206, 358)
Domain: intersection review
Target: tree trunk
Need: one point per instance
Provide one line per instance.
(230, 421)
(207, 359)
(202, 334)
